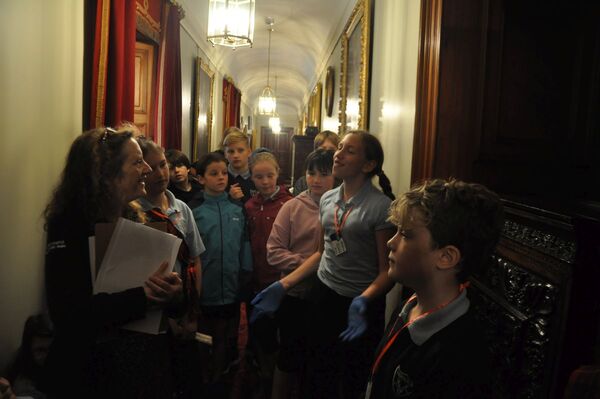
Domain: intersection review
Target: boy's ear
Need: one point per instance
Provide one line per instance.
(449, 257)
(201, 179)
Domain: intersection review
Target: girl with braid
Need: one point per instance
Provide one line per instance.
(351, 265)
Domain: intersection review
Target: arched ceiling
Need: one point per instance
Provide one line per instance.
(305, 31)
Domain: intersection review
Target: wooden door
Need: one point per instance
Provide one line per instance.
(144, 83)
(509, 98)
(280, 145)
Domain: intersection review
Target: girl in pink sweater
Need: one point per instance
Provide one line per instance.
(294, 237)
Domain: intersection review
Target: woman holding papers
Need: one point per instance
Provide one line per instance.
(104, 172)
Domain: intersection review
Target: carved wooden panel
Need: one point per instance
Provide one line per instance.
(523, 302)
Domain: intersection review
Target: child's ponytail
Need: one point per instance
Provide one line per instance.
(385, 184)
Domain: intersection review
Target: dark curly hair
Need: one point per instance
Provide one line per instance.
(466, 215)
(85, 188)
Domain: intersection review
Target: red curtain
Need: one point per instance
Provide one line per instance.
(113, 65)
(232, 99)
(169, 93)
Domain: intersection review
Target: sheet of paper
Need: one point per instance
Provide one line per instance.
(134, 252)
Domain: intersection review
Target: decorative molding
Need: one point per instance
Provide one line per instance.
(542, 241)
(142, 11)
(144, 27)
(360, 17)
(427, 90)
(179, 8)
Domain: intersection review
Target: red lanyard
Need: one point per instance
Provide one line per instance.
(391, 341)
(336, 224)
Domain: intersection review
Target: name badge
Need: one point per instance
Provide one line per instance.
(339, 246)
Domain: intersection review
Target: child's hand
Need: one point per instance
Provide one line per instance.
(357, 320)
(235, 191)
(267, 301)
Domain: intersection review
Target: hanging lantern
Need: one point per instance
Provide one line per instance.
(275, 124)
(267, 102)
(231, 23)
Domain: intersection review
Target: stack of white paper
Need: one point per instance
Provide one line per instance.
(134, 253)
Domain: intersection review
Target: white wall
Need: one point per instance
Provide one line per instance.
(395, 52)
(41, 74)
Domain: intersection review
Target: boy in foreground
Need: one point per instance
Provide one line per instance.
(432, 346)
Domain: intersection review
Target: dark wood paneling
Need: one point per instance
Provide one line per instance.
(536, 302)
(508, 95)
(517, 98)
(301, 147)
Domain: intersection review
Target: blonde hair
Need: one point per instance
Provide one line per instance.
(324, 136)
(263, 157)
(234, 135)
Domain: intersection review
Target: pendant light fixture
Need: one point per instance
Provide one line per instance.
(231, 23)
(274, 121)
(267, 103)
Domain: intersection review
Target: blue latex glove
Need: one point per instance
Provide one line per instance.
(357, 320)
(267, 301)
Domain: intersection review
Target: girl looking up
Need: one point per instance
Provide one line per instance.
(351, 266)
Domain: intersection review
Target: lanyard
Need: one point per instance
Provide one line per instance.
(391, 341)
(337, 225)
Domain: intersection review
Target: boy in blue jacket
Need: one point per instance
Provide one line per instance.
(227, 258)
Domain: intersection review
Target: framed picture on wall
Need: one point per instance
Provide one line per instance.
(314, 106)
(329, 87)
(354, 69)
(203, 99)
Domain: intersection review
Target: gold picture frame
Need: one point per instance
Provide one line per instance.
(314, 106)
(203, 115)
(354, 69)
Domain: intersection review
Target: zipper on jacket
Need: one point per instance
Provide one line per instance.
(222, 265)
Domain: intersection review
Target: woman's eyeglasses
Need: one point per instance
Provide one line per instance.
(105, 134)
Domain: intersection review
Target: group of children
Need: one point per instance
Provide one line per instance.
(313, 270)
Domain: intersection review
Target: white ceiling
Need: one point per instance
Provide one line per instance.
(305, 33)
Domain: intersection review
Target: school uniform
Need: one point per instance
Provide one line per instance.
(344, 272)
(439, 355)
(182, 218)
(184, 360)
(187, 196)
(244, 180)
